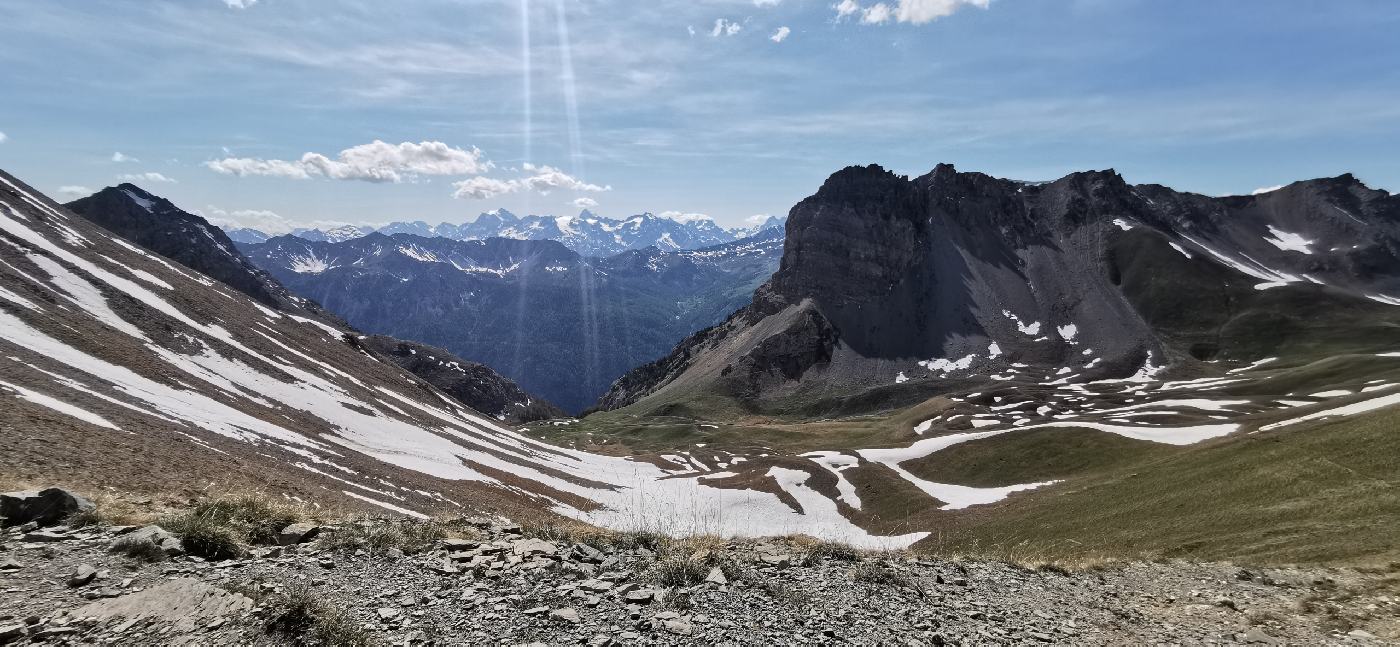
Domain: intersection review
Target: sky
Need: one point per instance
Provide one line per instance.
(282, 113)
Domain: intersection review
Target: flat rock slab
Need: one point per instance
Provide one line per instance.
(187, 603)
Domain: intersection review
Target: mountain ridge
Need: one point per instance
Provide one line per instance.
(588, 234)
(961, 273)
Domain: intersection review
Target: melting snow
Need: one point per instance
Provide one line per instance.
(58, 405)
(140, 201)
(1330, 394)
(1287, 241)
(1032, 329)
(310, 264)
(1345, 410)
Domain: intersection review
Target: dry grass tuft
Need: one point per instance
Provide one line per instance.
(303, 618)
(379, 535)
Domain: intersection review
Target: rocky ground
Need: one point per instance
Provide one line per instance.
(476, 581)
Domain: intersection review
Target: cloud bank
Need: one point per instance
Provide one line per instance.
(376, 161)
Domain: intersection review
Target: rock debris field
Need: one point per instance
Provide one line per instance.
(477, 581)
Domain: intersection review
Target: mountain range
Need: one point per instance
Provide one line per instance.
(560, 324)
(953, 360)
(588, 234)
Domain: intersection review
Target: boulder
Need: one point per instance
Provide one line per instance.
(82, 575)
(297, 533)
(45, 507)
(166, 542)
(528, 547)
(716, 576)
(565, 614)
(11, 632)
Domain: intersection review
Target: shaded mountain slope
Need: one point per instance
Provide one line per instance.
(561, 325)
(470, 383)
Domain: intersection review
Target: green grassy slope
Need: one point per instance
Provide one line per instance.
(1324, 492)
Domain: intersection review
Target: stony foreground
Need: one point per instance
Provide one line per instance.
(391, 582)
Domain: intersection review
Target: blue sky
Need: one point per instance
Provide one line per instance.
(687, 106)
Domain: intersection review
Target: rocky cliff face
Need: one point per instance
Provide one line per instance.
(906, 282)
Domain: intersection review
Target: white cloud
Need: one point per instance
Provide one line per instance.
(685, 217)
(145, 177)
(3, 137)
(373, 162)
(74, 191)
(585, 203)
(240, 4)
(1266, 189)
(876, 15)
(915, 12)
(119, 158)
(542, 180)
(780, 35)
(482, 188)
(919, 12)
(725, 28)
(548, 178)
(757, 219)
(766, 3)
(268, 222)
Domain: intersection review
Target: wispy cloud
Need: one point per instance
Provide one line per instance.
(914, 12)
(541, 179)
(268, 222)
(150, 176)
(3, 137)
(120, 158)
(780, 35)
(683, 217)
(373, 162)
(74, 191)
(725, 27)
(585, 203)
(240, 4)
